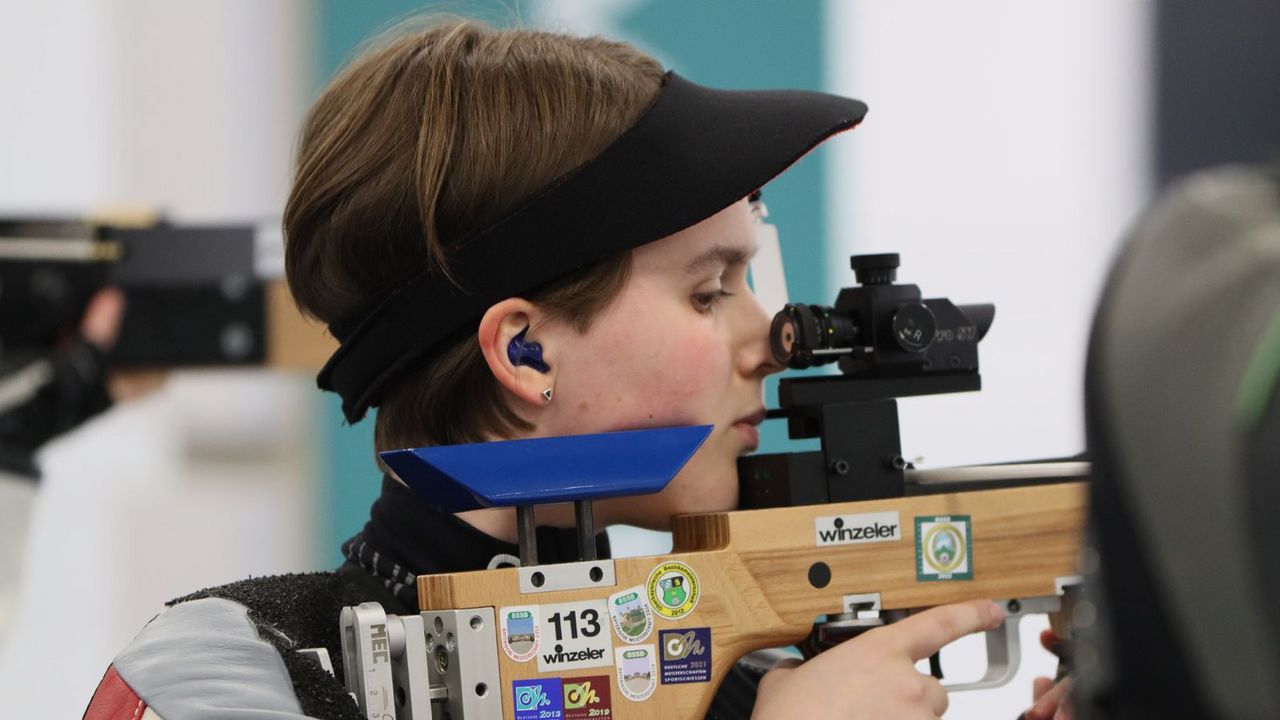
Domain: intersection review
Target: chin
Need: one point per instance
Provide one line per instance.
(710, 492)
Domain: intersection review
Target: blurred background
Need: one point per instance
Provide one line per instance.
(1007, 148)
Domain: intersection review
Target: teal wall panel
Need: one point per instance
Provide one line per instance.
(714, 42)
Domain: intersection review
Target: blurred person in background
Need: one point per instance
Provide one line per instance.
(43, 395)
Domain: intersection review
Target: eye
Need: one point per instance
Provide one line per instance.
(706, 302)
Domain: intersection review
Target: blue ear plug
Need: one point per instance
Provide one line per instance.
(520, 352)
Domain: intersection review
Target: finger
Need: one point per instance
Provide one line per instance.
(917, 691)
(924, 634)
(1039, 687)
(132, 384)
(1050, 641)
(775, 674)
(1048, 705)
(938, 698)
(101, 322)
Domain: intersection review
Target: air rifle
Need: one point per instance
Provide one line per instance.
(196, 295)
(828, 544)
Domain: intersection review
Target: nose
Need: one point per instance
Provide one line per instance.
(755, 356)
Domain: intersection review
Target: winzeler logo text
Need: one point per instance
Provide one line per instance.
(852, 529)
(561, 656)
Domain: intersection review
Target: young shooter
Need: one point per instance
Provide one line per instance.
(460, 192)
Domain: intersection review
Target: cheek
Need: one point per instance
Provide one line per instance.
(658, 370)
(693, 366)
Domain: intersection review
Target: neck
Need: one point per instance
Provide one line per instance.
(500, 523)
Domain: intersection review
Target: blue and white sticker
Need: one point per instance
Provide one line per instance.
(686, 655)
(521, 633)
(575, 635)
(632, 616)
(637, 668)
(541, 699)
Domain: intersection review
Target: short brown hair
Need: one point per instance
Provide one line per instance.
(430, 136)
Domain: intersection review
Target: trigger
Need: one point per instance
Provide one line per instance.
(935, 664)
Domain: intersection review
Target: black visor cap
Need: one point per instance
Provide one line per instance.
(694, 152)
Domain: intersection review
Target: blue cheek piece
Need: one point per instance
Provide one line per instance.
(456, 478)
(528, 354)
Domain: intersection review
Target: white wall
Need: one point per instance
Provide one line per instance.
(190, 108)
(1005, 151)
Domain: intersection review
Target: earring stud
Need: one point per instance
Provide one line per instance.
(547, 394)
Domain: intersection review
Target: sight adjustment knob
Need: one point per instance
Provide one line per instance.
(914, 327)
(879, 269)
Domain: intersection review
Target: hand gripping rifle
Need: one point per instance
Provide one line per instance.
(828, 544)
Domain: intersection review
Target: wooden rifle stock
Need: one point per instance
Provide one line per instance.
(753, 567)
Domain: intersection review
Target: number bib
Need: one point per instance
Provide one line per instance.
(575, 635)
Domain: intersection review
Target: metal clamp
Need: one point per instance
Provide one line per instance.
(567, 576)
(440, 664)
(366, 654)
(462, 647)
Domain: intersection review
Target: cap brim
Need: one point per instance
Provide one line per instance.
(696, 151)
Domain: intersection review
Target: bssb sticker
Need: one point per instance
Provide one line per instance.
(672, 590)
(521, 633)
(632, 616)
(538, 699)
(944, 548)
(588, 697)
(637, 668)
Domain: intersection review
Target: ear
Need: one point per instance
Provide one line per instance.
(500, 324)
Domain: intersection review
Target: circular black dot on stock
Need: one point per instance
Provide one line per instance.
(596, 574)
(819, 575)
(537, 579)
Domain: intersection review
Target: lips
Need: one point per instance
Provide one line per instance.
(753, 419)
(746, 427)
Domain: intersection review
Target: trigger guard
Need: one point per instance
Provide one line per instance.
(1004, 646)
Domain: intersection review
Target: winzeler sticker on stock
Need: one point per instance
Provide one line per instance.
(575, 635)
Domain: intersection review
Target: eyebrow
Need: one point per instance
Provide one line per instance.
(719, 255)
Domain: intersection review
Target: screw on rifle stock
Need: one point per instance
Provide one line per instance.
(840, 467)
(1014, 606)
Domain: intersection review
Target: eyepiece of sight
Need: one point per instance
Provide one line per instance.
(806, 335)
